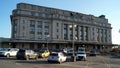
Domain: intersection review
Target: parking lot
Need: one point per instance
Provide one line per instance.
(91, 62)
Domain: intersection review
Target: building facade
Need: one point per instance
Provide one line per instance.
(36, 27)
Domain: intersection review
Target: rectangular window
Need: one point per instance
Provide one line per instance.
(33, 14)
(23, 27)
(39, 24)
(47, 10)
(32, 22)
(32, 29)
(46, 30)
(32, 36)
(46, 23)
(65, 31)
(40, 8)
(76, 32)
(46, 16)
(40, 14)
(57, 24)
(57, 30)
(81, 32)
(24, 6)
(65, 26)
(46, 36)
(39, 30)
(33, 7)
(65, 36)
(14, 34)
(18, 6)
(39, 36)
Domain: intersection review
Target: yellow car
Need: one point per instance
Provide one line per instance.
(44, 53)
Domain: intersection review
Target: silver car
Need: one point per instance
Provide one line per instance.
(26, 54)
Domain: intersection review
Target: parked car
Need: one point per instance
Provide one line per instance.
(57, 57)
(68, 51)
(43, 53)
(8, 52)
(81, 54)
(93, 53)
(26, 54)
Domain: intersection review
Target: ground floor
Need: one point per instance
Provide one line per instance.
(51, 44)
(28, 44)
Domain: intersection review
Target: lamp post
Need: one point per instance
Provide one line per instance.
(73, 37)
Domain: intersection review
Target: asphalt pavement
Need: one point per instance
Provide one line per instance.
(91, 62)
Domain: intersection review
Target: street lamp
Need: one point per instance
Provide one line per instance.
(73, 37)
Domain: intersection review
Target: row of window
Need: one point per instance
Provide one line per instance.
(101, 34)
(83, 30)
(39, 29)
(62, 17)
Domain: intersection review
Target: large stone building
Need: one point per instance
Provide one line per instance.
(36, 26)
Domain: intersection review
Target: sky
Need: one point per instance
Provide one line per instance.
(109, 8)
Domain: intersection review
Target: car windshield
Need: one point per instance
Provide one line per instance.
(71, 50)
(81, 49)
(4, 49)
(41, 51)
(21, 50)
(53, 54)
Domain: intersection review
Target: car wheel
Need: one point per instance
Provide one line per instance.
(8, 55)
(60, 61)
(17, 58)
(27, 57)
(49, 61)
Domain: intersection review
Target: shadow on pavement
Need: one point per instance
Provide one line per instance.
(38, 61)
(32, 62)
(5, 58)
(117, 57)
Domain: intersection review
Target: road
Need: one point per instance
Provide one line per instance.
(91, 62)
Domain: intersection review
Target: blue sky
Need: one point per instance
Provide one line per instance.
(110, 8)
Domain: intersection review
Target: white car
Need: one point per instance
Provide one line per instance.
(9, 52)
(57, 57)
(81, 54)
